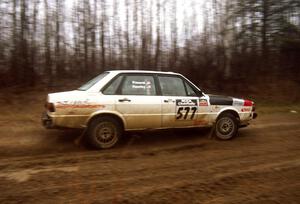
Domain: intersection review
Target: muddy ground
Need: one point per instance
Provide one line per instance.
(261, 165)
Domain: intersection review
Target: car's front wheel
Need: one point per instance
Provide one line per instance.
(104, 132)
(226, 126)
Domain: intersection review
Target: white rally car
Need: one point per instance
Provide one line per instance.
(118, 101)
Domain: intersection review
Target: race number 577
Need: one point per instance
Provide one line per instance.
(186, 113)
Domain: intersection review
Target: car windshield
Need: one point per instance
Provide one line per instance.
(92, 82)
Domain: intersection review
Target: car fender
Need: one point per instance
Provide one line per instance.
(109, 112)
(228, 108)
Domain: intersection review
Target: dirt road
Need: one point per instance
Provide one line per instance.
(262, 165)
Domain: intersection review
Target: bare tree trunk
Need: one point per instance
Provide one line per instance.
(253, 31)
(114, 41)
(33, 40)
(93, 38)
(14, 71)
(136, 34)
(174, 29)
(187, 45)
(143, 36)
(157, 49)
(48, 61)
(118, 43)
(27, 70)
(2, 28)
(227, 36)
(77, 64)
(128, 49)
(264, 30)
(102, 36)
(86, 25)
(164, 57)
(58, 13)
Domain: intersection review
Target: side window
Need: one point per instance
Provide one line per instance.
(190, 90)
(112, 88)
(172, 86)
(138, 85)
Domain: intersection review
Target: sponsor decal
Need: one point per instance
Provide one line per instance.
(78, 104)
(203, 102)
(237, 102)
(246, 109)
(141, 84)
(186, 102)
(186, 109)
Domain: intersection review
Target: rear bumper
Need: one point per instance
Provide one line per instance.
(47, 121)
(245, 123)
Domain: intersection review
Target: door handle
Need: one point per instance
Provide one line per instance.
(169, 101)
(124, 99)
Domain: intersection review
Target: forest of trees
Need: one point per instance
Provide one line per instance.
(225, 40)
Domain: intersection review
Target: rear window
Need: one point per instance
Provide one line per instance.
(92, 82)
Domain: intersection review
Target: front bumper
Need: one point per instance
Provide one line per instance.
(47, 121)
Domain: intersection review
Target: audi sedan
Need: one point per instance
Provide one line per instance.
(129, 100)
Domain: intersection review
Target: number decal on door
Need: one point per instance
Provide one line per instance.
(186, 109)
(183, 113)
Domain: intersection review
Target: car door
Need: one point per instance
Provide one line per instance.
(137, 101)
(179, 102)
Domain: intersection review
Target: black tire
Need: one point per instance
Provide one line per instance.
(104, 132)
(226, 126)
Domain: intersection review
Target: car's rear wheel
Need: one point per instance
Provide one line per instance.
(104, 132)
(226, 126)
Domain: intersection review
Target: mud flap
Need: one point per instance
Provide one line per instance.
(79, 141)
(46, 121)
(212, 131)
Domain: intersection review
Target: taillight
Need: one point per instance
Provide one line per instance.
(50, 107)
(248, 103)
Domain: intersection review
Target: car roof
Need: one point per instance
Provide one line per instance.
(141, 71)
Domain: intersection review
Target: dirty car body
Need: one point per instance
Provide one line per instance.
(138, 100)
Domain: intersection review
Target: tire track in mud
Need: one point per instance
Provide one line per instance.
(222, 190)
(176, 179)
(215, 183)
(109, 161)
(120, 154)
(210, 148)
(275, 124)
(233, 161)
(168, 145)
(261, 165)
